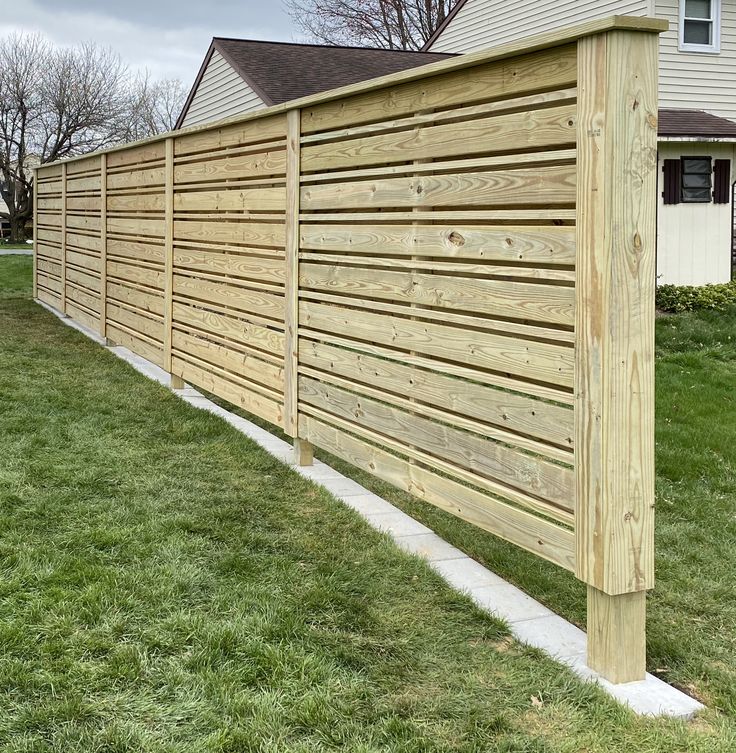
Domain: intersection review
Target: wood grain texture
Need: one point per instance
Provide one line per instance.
(168, 251)
(539, 245)
(291, 302)
(617, 635)
(550, 128)
(518, 300)
(541, 186)
(546, 539)
(614, 374)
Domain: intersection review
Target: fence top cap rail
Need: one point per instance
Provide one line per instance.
(523, 46)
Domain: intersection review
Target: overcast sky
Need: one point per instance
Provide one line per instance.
(169, 37)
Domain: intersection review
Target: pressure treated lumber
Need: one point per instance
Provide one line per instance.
(614, 372)
(444, 276)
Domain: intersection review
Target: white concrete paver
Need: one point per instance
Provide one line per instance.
(530, 622)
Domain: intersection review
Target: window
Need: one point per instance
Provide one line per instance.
(697, 179)
(700, 25)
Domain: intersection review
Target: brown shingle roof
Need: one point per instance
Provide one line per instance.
(281, 71)
(694, 123)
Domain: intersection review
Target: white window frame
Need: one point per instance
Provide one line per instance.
(709, 49)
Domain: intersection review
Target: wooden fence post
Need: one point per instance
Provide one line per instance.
(35, 232)
(103, 245)
(303, 450)
(177, 383)
(614, 368)
(63, 238)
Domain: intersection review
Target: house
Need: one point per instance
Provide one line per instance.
(697, 121)
(242, 75)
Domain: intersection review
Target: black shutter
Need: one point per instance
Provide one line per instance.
(672, 180)
(722, 181)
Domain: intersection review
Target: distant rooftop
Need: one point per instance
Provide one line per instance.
(282, 71)
(682, 123)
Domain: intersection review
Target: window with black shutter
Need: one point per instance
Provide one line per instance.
(722, 181)
(671, 180)
(697, 180)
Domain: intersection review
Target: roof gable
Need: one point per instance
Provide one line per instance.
(280, 71)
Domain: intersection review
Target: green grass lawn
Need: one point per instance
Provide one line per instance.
(168, 586)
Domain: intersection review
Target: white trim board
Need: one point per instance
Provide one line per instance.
(529, 621)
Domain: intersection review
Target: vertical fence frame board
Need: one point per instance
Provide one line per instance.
(103, 245)
(63, 238)
(291, 328)
(614, 370)
(176, 381)
(35, 232)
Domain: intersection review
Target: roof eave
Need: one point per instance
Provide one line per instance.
(443, 25)
(266, 99)
(195, 86)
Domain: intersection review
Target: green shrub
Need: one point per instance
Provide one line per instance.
(677, 298)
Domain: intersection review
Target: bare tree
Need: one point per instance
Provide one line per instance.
(154, 106)
(60, 102)
(388, 24)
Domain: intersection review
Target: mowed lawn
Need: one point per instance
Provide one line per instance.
(165, 585)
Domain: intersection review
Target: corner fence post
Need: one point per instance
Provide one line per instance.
(103, 245)
(303, 450)
(63, 238)
(614, 361)
(177, 383)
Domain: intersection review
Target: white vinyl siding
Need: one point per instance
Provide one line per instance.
(488, 23)
(698, 81)
(693, 240)
(221, 93)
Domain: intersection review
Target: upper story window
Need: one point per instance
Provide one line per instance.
(700, 25)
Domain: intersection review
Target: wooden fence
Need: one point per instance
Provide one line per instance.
(444, 276)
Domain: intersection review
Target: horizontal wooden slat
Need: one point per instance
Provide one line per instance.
(121, 335)
(139, 202)
(152, 176)
(271, 410)
(460, 448)
(543, 244)
(251, 233)
(230, 358)
(229, 168)
(138, 227)
(545, 186)
(520, 300)
(543, 362)
(135, 155)
(81, 296)
(48, 297)
(148, 252)
(243, 299)
(266, 269)
(550, 541)
(141, 299)
(81, 314)
(153, 278)
(262, 129)
(245, 333)
(90, 264)
(83, 184)
(255, 199)
(550, 128)
(138, 323)
(81, 240)
(548, 69)
(500, 407)
(89, 281)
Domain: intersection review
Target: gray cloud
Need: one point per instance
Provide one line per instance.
(168, 37)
